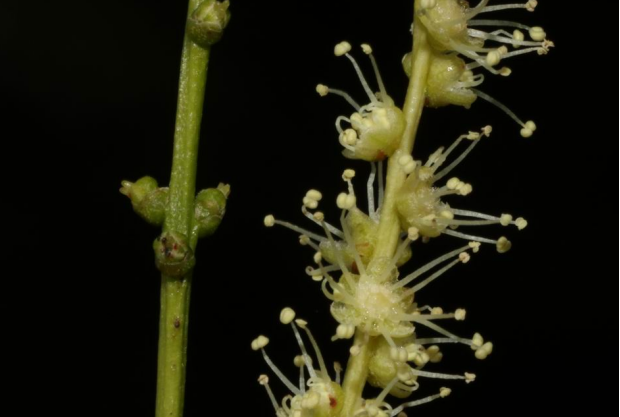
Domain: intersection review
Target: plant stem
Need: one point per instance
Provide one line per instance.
(175, 292)
(389, 227)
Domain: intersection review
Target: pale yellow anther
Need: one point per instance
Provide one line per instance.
(434, 354)
(518, 36)
(346, 201)
(323, 90)
(503, 245)
(301, 323)
(259, 343)
(318, 258)
(349, 137)
(494, 58)
(466, 189)
(348, 174)
(345, 331)
(527, 133)
(447, 214)
(475, 246)
(445, 392)
(531, 125)
(521, 223)
(437, 311)
(538, 34)
(304, 240)
(473, 136)
(413, 234)
(503, 50)
(465, 257)
(314, 195)
(477, 341)
(263, 380)
(367, 49)
(506, 220)
(454, 183)
(485, 351)
(505, 72)
(342, 48)
(407, 163)
(531, 5)
(270, 221)
(429, 4)
(299, 361)
(487, 130)
(469, 378)
(338, 367)
(287, 316)
(355, 350)
(460, 314)
(399, 355)
(319, 216)
(310, 203)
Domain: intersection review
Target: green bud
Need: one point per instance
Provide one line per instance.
(148, 200)
(173, 255)
(210, 207)
(206, 25)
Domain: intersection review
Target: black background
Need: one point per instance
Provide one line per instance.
(88, 97)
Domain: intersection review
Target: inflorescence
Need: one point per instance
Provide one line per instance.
(371, 299)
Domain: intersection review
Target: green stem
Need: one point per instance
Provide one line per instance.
(389, 227)
(175, 292)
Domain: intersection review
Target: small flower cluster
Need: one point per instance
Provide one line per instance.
(371, 300)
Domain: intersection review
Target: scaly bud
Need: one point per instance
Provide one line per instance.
(148, 200)
(173, 255)
(210, 207)
(206, 25)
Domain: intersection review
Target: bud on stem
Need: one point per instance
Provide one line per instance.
(210, 207)
(148, 200)
(206, 25)
(173, 255)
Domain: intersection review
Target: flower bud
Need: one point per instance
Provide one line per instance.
(173, 255)
(210, 207)
(206, 25)
(148, 201)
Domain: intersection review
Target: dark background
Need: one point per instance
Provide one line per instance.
(88, 98)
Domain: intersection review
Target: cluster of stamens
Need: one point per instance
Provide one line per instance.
(456, 36)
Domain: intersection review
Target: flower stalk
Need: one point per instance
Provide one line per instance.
(389, 227)
(184, 216)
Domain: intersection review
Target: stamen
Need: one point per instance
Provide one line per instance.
(338, 370)
(304, 352)
(368, 51)
(381, 185)
(528, 128)
(331, 228)
(530, 6)
(433, 277)
(264, 381)
(503, 245)
(315, 346)
(436, 375)
(371, 191)
(499, 23)
(360, 74)
(323, 91)
(445, 392)
(294, 228)
(443, 341)
(339, 121)
(446, 171)
(411, 277)
(386, 391)
(280, 375)
(509, 40)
